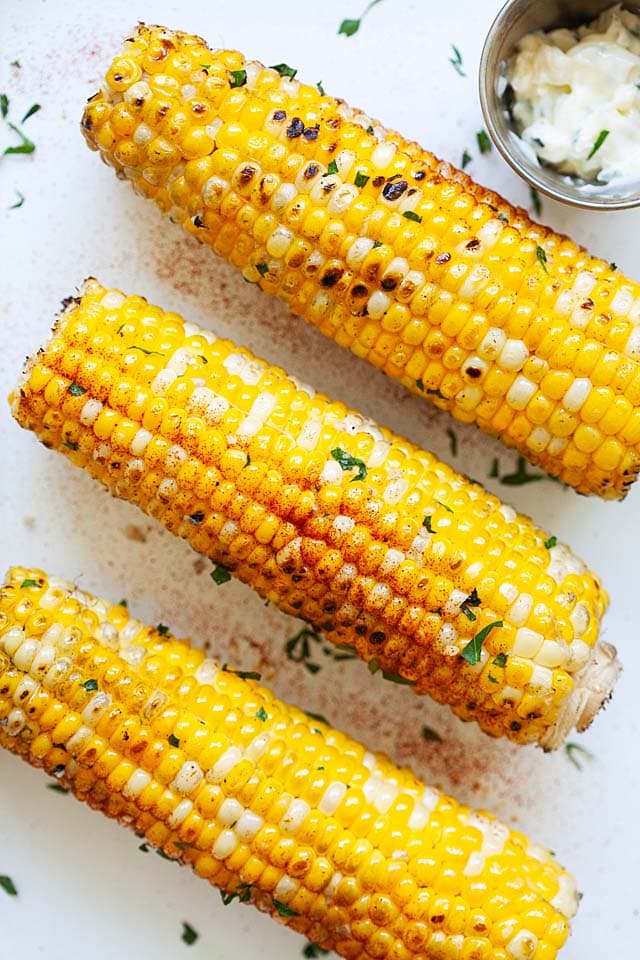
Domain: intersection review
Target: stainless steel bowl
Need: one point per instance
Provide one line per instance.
(516, 19)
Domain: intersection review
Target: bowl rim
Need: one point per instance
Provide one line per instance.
(488, 102)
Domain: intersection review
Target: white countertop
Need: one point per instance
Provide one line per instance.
(84, 888)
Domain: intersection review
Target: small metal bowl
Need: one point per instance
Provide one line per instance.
(516, 19)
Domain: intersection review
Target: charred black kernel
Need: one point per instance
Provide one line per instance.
(411, 191)
(328, 187)
(389, 283)
(438, 918)
(87, 123)
(443, 258)
(279, 115)
(419, 175)
(197, 107)
(393, 191)
(588, 304)
(311, 171)
(118, 77)
(334, 123)
(360, 290)
(396, 176)
(311, 133)
(361, 629)
(295, 128)
(296, 577)
(196, 517)
(377, 181)
(247, 175)
(473, 372)
(473, 244)
(377, 637)
(515, 726)
(331, 277)
(472, 705)
(331, 148)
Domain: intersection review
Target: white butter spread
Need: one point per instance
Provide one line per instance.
(577, 96)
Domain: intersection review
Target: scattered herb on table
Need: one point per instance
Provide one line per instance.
(576, 753)
(8, 885)
(16, 64)
(243, 674)
(189, 935)
(453, 442)
(466, 159)
(535, 201)
(350, 26)
(312, 951)
(484, 143)
(30, 112)
(457, 63)
(25, 146)
(600, 139)
(57, 788)
(19, 201)
(429, 735)
(220, 574)
(551, 542)
(520, 475)
(349, 462)
(473, 650)
(4, 105)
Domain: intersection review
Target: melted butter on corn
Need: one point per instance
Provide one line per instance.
(323, 512)
(363, 855)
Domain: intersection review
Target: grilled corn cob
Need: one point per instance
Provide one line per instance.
(336, 520)
(387, 250)
(266, 804)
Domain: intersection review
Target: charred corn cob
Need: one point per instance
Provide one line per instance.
(336, 520)
(265, 803)
(387, 250)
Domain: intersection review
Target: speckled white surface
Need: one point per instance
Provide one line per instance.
(84, 889)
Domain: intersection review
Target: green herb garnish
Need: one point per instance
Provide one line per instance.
(173, 740)
(75, 389)
(577, 753)
(500, 660)
(426, 523)
(613, 266)
(376, 244)
(189, 935)
(90, 685)
(466, 159)
(412, 215)
(8, 885)
(220, 574)
(369, 129)
(312, 951)
(26, 146)
(361, 179)
(29, 583)
(535, 200)
(520, 475)
(472, 652)
(320, 88)
(283, 909)
(57, 788)
(429, 391)
(30, 112)
(348, 462)
(16, 64)
(456, 62)
(492, 679)
(162, 629)
(453, 442)
(495, 468)
(473, 600)
(124, 603)
(4, 105)
(429, 735)
(333, 167)
(284, 70)
(600, 139)
(239, 78)
(502, 217)
(551, 542)
(444, 506)
(317, 717)
(374, 667)
(242, 893)
(243, 674)
(262, 715)
(199, 222)
(484, 143)
(262, 268)
(542, 258)
(349, 27)
(147, 352)
(70, 445)
(19, 201)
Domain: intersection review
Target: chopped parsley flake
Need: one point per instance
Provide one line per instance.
(484, 143)
(502, 217)
(426, 523)
(542, 258)
(520, 475)
(69, 444)
(301, 647)
(577, 754)
(162, 629)
(284, 70)
(429, 391)
(376, 244)
(29, 583)
(369, 129)
(90, 685)
(4, 105)
(16, 64)
(57, 788)
(495, 468)
(242, 893)
(75, 389)
(189, 935)
(283, 909)
(492, 679)
(600, 139)
(239, 78)
(361, 179)
(243, 674)
(536, 201)
(173, 740)
(473, 600)
(472, 652)
(466, 159)
(348, 462)
(444, 506)
(262, 268)
(320, 88)
(412, 215)
(25, 146)
(349, 27)
(8, 885)
(124, 603)
(19, 201)
(613, 266)
(333, 167)
(429, 735)
(262, 715)
(374, 666)
(199, 222)
(203, 358)
(220, 574)
(453, 442)
(206, 66)
(312, 951)
(317, 717)
(551, 542)
(30, 112)
(456, 62)
(147, 352)
(500, 660)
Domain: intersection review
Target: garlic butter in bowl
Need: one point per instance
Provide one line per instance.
(560, 90)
